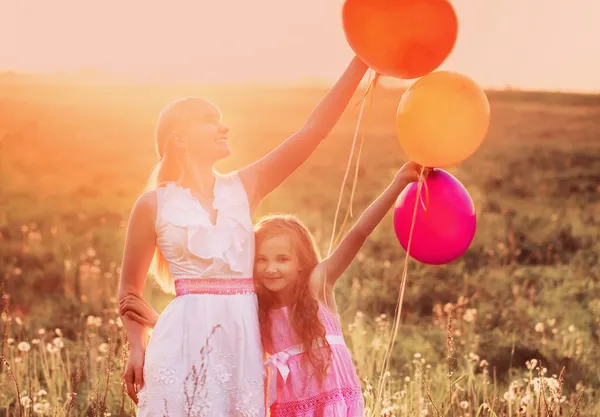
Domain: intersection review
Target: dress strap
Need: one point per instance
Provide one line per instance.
(278, 362)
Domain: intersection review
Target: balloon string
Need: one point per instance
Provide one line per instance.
(339, 203)
(396, 322)
(371, 84)
(349, 212)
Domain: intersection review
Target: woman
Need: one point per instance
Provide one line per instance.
(205, 355)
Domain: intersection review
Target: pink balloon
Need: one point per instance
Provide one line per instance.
(443, 232)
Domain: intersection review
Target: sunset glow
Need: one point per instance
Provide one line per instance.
(537, 44)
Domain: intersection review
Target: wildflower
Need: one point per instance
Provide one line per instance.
(509, 396)
(531, 364)
(417, 355)
(539, 327)
(571, 328)
(90, 252)
(483, 364)
(407, 379)
(58, 332)
(51, 348)
(25, 401)
(41, 393)
(464, 405)
(470, 315)
(24, 347)
(103, 348)
(10, 340)
(551, 322)
(41, 332)
(58, 342)
(18, 321)
(98, 321)
(35, 341)
(473, 357)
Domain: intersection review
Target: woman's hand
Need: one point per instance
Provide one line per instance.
(134, 372)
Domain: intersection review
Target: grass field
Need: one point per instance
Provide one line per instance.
(489, 334)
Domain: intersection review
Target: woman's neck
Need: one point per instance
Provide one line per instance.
(201, 180)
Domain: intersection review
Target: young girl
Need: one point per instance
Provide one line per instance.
(310, 369)
(197, 225)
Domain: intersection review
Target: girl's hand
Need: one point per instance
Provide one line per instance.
(410, 173)
(138, 310)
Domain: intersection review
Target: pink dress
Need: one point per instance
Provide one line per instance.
(298, 392)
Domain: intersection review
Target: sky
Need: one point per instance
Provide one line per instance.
(529, 44)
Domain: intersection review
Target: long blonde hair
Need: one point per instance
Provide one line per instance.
(171, 168)
(303, 313)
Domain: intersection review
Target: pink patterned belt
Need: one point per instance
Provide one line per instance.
(218, 286)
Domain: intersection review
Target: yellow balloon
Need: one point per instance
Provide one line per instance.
(442, 119)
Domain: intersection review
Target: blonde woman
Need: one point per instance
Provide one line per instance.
(194, 226)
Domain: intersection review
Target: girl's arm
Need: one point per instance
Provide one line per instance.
(137, 309)
(139, 249)
(334, 266)
(264, 175)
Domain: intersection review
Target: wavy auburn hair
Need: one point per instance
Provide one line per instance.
(303, 313)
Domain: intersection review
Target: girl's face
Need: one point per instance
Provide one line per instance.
(205, 136)
(276, 266)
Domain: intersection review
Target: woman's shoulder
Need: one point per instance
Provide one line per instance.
(145, 204)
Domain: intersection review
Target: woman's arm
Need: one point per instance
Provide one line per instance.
(264, 175)
(140, 244)
(334, 266)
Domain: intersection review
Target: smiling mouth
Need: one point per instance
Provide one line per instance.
(222, 139)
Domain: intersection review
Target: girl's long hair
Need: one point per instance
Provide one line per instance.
(303, 313)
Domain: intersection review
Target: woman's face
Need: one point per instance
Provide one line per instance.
(204, 136)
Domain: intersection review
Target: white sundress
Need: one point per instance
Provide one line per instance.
(212, 266)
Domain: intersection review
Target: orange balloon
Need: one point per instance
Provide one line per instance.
(400, 38)
(442, 119)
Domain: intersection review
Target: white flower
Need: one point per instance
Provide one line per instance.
(103, 348)
(41, 393)
(58, 342)
(539, 327)
(571, 328)
(10, 340)
(470, 315)
(35, 341)
(24, 347)
(98, 321)
(18, 321)
(531, 364)
(25, 401)
(41, 332)
(58, 332)
(464, 405)
(417, 355)
(51, 348)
